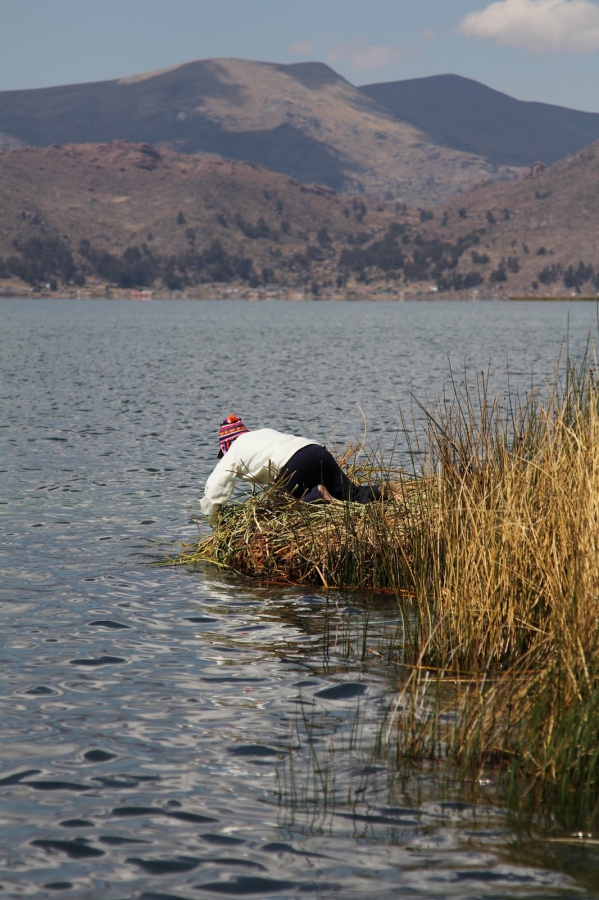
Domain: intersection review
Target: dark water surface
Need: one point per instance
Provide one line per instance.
(169, 734)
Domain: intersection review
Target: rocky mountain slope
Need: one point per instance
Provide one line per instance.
(302, 120)
(535, 230)
(467, 115)
(538, 236)
(134, 215)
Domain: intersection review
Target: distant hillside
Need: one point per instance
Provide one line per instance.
(468, 116)
(537, 236)
(533, 235)
(132, 215)
(302, 120)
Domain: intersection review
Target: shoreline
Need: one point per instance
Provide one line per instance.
(290, 295)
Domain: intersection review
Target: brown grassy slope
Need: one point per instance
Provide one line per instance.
(549, 219)
(120, 195)
(303, 120)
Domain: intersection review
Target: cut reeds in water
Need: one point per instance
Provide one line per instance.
(274, 537)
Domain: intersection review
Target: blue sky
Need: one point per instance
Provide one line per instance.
(545, 50)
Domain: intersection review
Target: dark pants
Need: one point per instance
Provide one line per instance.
(314, 465)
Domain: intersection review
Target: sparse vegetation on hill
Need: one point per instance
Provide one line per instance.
(538, 233)
(133, 216)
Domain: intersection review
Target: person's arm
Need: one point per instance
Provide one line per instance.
(219, 487)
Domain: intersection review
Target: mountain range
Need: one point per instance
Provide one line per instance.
(420, 141)
(249, 173)
(466, 115)
(302, 120)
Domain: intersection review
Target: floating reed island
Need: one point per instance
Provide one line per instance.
(493, 560)
(273, 537)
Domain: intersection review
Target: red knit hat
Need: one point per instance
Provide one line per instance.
(230, 429)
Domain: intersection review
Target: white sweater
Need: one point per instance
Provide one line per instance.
(257, 457)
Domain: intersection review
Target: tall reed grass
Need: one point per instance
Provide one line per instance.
(506, 584)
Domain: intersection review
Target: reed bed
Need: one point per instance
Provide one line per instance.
(493, 558)
(506, 580)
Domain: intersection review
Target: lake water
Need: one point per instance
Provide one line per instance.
(176, 734)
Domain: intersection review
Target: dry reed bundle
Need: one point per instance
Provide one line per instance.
(276, 538)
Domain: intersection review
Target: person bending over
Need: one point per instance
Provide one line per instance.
(304, 467)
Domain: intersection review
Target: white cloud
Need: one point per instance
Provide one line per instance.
(300, 48)
(568, 26)
(363, 58)
(428, 34)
